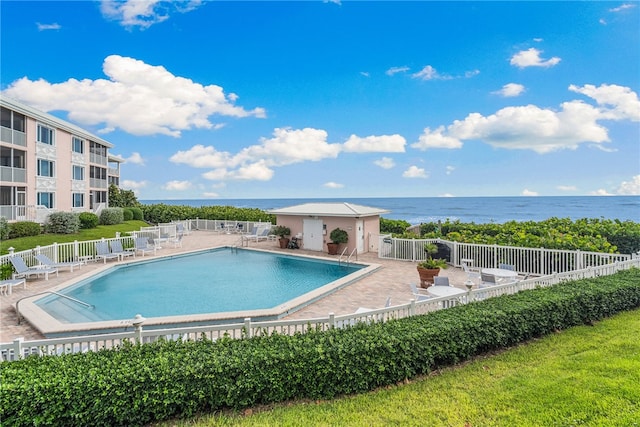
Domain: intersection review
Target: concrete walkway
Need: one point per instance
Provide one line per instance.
(391, 280)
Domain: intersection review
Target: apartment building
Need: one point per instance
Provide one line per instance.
(48, 164)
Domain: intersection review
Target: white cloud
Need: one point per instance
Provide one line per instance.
(210, 195)
(622, 7)
(258, 171)
(394, 70)
(449, 170)
(527, 192)
(567, 188)
(625, 102)
(332, 185)
(600, 192)
(429, 73)
(200, 156)
(375, 144)
(46, 27)
(385, 163)
(436, 139)
(133, 185)
(538, 39)
(629, 188)
(531, 58)
(446, 195)
(364, 73)
(603, 148)
(144, 13)
(510, 90)
(177, 185)
(415, 172)
(602, 21)
(138, 98)
(538, 129)
(135, 158)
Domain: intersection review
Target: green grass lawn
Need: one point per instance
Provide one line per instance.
(584, 376)
(106, 231)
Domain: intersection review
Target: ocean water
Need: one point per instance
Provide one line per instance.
(416, 210)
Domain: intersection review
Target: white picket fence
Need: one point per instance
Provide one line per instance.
(56, 346)
(533, 261)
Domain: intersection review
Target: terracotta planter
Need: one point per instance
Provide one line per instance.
(332, 248)
(284, 242)
(427, 275)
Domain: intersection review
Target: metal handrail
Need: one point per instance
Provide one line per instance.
(50, 292)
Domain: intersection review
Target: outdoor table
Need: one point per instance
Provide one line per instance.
(501, 273)
(445, 291)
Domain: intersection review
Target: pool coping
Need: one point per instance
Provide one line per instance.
(52, 328)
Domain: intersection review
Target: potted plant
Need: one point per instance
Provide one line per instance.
(284, 233)
(430, 267)
(337, 236)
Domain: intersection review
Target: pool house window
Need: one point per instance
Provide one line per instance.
(78, 173)
(45, 134)
(77, 145)
(45, 199)
(45, 168)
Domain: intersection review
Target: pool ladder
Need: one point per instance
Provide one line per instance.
(51, 292)
(348, 260)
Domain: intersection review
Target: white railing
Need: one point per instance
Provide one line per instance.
(536, 261)
(20, 348)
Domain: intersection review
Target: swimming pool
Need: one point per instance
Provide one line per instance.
(206, 286)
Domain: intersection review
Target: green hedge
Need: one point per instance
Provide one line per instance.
(138, 384)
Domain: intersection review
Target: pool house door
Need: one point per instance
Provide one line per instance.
(312, 238)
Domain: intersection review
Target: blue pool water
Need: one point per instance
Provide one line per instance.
(220, 280)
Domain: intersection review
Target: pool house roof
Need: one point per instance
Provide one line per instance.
(339, 209)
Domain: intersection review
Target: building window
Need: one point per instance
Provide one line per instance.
(78, 200)
(98, 173)
(45, 134)
(45, 168)
(12, 120)
(78, 173)
(45, 199)
(77, 145)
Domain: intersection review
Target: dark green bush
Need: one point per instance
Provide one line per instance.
(111, 216)
(139, 384)
(161, 213)
(127, 214)
(137, 214)
(24, 229)
(88, 220)
(4, 228)
(62, 223)
(393, 226)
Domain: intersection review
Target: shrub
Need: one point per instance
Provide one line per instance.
(4, 228)
(338, 235)
(137, 214)
(24, 229)
(62, 223)
(111, 216)
(127, 215)
(138, 384)
(88, 220)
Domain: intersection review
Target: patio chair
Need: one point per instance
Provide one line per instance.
(48, 262)
(141, 244)
(6, 286)
(116, 248)
(472, 273)
(488, 280)
(176, 241)
(416, 293)
(103, 251)
(387, 304)
(441, 281)
(25, 272)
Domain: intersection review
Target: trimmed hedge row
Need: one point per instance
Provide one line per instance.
(138, 384)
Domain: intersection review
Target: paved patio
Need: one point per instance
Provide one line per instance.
(391, 280)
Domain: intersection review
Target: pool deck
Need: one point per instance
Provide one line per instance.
(391, 280)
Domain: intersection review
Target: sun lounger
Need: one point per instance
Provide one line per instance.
(22, 271)
(48, 262)
(6, 286)
(103, 251)
(116, 248)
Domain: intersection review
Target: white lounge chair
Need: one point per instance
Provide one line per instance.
(441, 281)
(25, 272)
(6, 286)
(103, 251)
(116, 248)
(258, 234)
(48, 262)
(141, 244)
(176, 241)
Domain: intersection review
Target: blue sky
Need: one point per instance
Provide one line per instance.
(341, 99)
